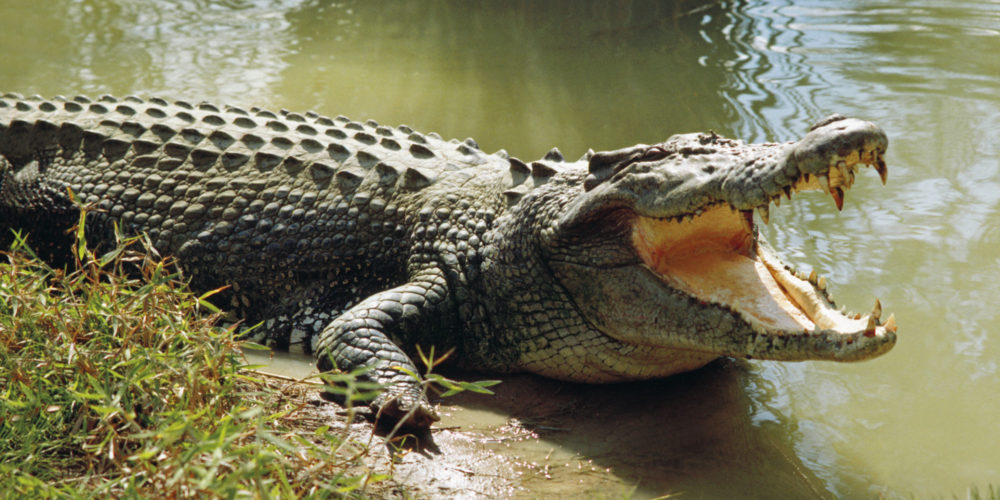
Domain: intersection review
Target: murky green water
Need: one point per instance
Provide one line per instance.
(524, 76)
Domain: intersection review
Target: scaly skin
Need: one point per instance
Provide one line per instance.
(359, 242)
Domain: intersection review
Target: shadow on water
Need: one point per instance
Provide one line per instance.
(694, 434)
(705, 434)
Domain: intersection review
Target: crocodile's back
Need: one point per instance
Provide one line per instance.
(276, 200)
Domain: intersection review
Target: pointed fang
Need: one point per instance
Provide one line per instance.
(883, 171)
(824, 181)
(844, 171)
(890, 324)
(838, 197)
(812, 276)
(765, 213)
(877, 311)
(821, 283)
(870, 328)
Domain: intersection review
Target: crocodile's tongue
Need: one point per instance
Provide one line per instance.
(713, 256)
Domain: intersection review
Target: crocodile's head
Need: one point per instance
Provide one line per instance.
(661, 253)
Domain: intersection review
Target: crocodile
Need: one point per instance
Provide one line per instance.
(361, 243)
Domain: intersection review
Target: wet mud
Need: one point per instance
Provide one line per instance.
(691, 435)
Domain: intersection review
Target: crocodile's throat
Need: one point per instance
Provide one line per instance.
(715, 257)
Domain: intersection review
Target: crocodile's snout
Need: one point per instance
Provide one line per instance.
(829, 154)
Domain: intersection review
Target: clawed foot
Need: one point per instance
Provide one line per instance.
(412, 409)
(390, 407)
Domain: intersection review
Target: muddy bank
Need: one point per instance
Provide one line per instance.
(691, 434)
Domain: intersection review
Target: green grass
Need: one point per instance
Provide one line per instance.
(990, 493)
(122, 384)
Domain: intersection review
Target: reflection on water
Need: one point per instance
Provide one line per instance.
(578, 75)
(926, 245)
(196, 49)
(566, 74)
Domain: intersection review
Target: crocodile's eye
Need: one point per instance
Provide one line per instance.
(653, 153)
(605, 164)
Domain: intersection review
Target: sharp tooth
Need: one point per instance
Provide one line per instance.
(844, 171)
(857, 315)
(890, 324)
(877, 311)
(821, 283)
(788, 192)
(883, 171)
(812, 276)
(747, 221)
(838, 197)
(824, 182)
(870, 327)
(765, 213)
(777, 201)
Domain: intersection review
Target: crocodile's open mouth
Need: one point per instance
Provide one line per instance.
(714, 256)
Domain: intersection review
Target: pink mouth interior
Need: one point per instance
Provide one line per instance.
(712, 257)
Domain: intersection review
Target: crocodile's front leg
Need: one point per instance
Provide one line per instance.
(362, 337)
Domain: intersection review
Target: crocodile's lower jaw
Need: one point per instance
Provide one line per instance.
(715, 258)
